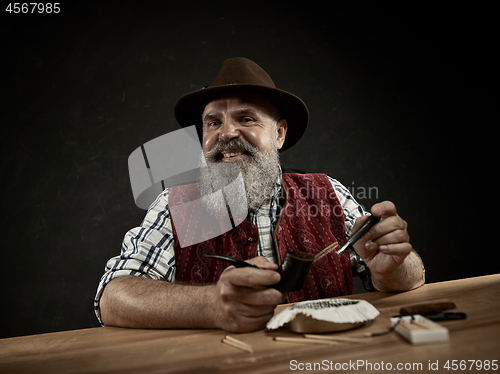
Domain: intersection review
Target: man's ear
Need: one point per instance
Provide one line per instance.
(281, 128)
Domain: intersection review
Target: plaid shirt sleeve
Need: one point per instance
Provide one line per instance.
(147, 251)
(352, 211)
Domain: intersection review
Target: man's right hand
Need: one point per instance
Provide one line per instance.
(242, 302)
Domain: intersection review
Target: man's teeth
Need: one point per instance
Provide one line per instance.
(226, 155)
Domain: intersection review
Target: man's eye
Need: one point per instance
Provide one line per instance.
(247, 119)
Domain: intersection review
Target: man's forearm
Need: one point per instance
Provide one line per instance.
(137, 302)
(407, 276)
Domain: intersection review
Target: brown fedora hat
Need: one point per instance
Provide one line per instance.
(242, 75)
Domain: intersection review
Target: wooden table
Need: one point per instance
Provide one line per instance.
(117, 350)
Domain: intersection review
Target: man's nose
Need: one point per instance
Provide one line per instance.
(228, 131)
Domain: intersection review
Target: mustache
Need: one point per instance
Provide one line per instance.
(232, 145)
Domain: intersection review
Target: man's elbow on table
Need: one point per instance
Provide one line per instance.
(109, 304)
(135, 302)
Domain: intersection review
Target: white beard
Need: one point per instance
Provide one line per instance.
(260, 174)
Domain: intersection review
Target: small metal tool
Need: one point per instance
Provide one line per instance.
(293, 269)
(231, 260)
(358, 234)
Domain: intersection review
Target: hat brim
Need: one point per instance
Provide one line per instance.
(189, 108)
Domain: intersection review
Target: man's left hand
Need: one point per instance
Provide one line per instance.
(386, 245)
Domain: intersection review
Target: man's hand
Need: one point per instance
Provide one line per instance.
(385, 246)
(387, 251)
(242, 302)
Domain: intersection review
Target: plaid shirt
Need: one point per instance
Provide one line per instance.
(148, 250)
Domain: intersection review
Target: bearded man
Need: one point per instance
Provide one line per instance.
(245, 121)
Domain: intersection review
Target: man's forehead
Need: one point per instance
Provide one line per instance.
(238, 102)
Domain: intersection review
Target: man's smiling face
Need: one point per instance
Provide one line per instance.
(248, 117)
(241, 134)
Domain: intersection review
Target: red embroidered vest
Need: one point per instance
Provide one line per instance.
(311, 219)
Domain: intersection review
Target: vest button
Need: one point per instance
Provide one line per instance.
(250, 239)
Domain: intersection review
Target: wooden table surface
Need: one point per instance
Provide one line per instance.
(117, 350)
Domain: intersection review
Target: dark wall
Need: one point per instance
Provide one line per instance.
(397, 104)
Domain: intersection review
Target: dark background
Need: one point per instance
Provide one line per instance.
(400, 102)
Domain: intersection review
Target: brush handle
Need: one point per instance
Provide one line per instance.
(231, 260)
